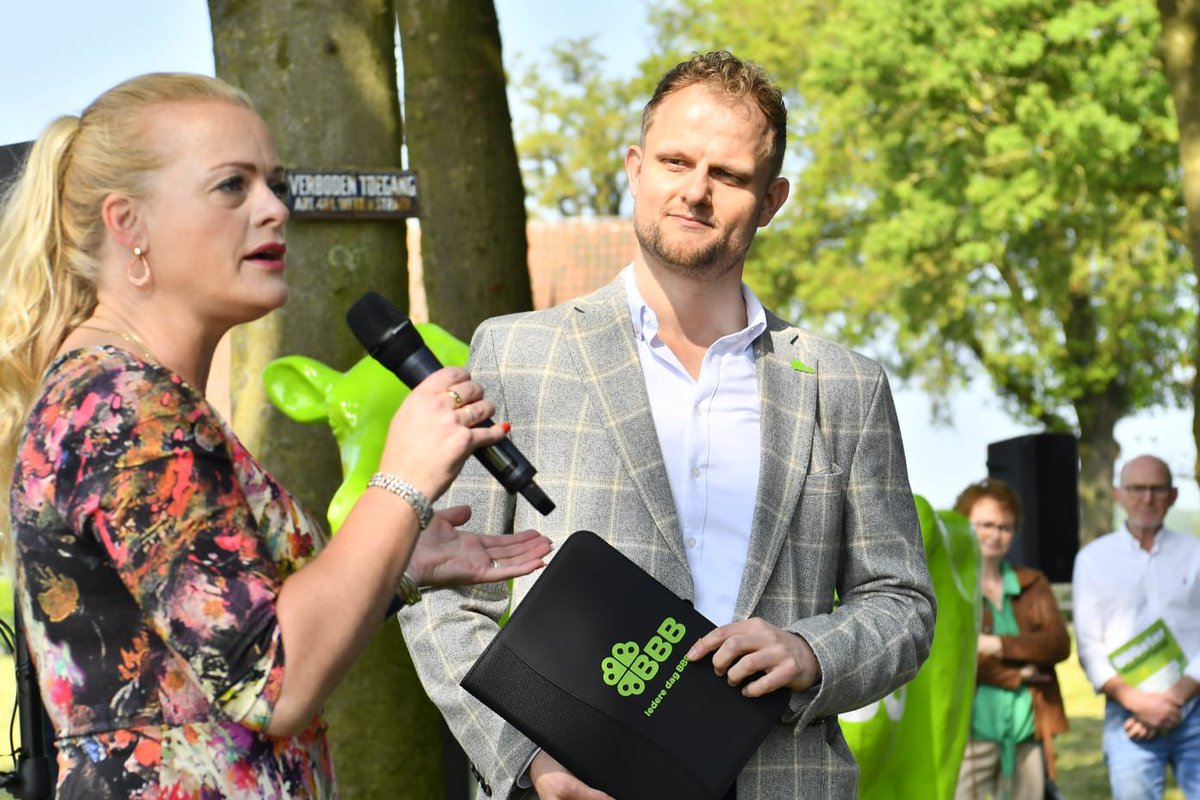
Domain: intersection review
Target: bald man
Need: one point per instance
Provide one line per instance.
(1125, 582)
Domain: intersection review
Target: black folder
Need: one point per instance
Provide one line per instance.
(591, 668)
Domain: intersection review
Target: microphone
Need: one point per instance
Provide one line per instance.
(390, 338)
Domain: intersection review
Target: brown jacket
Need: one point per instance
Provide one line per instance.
(1043, 641)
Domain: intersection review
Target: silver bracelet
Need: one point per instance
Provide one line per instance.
(409, 592)
(418, 501)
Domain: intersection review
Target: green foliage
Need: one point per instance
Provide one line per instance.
(572, 150)
(991, 183)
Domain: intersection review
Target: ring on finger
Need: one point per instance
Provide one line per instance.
(456, 397)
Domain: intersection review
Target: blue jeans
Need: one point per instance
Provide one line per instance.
(1137, 770)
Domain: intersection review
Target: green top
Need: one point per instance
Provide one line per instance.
(998, 714)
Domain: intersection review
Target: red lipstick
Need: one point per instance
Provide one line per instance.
(269, 255)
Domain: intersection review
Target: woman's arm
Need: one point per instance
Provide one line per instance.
(994, 672)
(1046, 642)
(329, 610)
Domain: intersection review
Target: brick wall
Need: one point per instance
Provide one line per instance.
(572, 257)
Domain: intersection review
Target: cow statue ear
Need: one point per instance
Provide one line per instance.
(299, 386)
(449, 349)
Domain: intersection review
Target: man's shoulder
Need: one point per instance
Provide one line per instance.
(829, 353)
(546, 317)
(553, 318)
(1185, 545)
(1101, 549)
(1188, 539)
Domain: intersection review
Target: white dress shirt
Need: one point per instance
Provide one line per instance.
(1119, 589)
(708, 430)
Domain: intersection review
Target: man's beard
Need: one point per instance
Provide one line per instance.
(711, 260)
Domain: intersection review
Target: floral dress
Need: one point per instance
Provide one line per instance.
(150, 550)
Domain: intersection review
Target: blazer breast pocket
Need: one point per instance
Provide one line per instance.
(821, 500)
(831, 481)
(825, 483)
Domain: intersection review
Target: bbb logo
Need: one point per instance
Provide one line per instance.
(629, 667)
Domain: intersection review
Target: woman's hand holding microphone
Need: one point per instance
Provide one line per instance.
(429, 439)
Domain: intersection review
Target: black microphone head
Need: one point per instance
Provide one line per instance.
(391, 338)
(373, 320)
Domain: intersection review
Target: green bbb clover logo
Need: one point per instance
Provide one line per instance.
(628, 669)
(630, 666)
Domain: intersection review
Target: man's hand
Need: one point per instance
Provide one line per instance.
(1154, 710)
(552, 781)
(1139, 731)
(741, 650)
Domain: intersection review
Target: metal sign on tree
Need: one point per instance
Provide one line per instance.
(361, 194)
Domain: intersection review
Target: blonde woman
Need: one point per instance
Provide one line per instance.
(185, 615)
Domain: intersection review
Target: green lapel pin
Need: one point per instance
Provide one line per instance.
(800, 366)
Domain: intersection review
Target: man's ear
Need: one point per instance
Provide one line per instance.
(633, 168)
(777, 193)
(120, 216)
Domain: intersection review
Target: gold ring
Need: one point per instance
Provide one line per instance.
(456, 397)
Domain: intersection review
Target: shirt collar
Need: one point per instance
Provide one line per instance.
(1012, 585)
(1133, 544)
(645, 321)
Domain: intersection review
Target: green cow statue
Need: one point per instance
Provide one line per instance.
(911, 743)
(358, 405)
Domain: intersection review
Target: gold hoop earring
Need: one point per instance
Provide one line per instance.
(139, 257)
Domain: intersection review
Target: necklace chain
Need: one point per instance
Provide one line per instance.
(129, 336)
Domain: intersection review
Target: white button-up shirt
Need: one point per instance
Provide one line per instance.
(1119, 589)
(708, 430)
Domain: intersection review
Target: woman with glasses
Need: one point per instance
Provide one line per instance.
(1017, 708)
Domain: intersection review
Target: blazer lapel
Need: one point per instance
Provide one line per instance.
(601, 336)
(787, 381)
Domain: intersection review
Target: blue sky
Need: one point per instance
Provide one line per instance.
(66, 53)
(59, 55)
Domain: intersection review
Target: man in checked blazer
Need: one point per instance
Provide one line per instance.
(752, 468)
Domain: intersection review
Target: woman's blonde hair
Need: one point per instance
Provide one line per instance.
(51, 230)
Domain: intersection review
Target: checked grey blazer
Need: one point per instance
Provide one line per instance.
(834, 518)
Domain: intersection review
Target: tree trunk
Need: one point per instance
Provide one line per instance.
(459, 135)
(323, 75)
(1098, 451)
(1180, 27)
